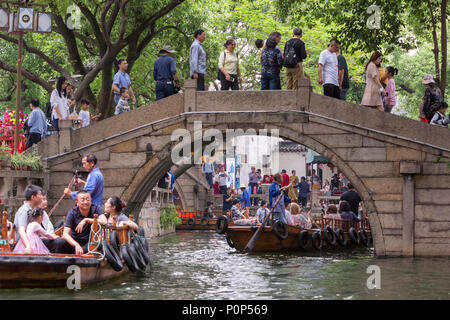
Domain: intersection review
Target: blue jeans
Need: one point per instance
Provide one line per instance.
(344, 94)
(163, 89)
(116, 99)
(270, 81)
(208, 176)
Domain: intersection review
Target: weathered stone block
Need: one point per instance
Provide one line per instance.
(432, 249)
(401, 153)
(409, 167)
(127, 146)
(387, 197)
(340, 140)
(125, 160)
(390, 221)
(393, 243)
(432, 182)
(384, 185)
(389, 206)
(373, 169)
(435, 168)
(361, 154)
(434, 197)
(318, 128)
(427, 229)
(432, 213)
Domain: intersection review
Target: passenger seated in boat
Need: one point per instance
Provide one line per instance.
(46, 223)
(298, 217)
(238, 217)
(262, 212)
(77, 228)
(332, 212)
(287, 203)
(346, 214)
(113, 208)
(34, 232)
(209, 211)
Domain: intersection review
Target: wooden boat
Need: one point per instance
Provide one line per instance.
(196, 221)
(311, 239)
(52, 271)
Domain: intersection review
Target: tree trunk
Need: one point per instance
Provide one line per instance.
(435, 42)
(104, 98)
(443, 46)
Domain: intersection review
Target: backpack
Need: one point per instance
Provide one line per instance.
(290, 59)
(48, 110)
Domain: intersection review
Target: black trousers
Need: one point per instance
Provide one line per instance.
(225, 85)
(33, 138)
(331, 90)
(223, 189)
(62, 246)
(50, 244)
(200, 82)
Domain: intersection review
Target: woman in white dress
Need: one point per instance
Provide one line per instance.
(59, 102)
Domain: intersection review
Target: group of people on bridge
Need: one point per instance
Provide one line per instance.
(35, 233)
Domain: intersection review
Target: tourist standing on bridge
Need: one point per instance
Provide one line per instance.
(271, 63)
(122, 80)
(329, 71)
(229, 72)
(294, 54)
(222, 180)
(208, 170)
(197, 59)
(391, 96)
(372, 97)
(94, 183)
(59, 103)
(344, 83)
(37, 123)
(164, 73)
(274, 192)
(431, 99)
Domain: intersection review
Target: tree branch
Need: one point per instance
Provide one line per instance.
(123, 26)
(106, 34)
(28, 75)
(113, 18)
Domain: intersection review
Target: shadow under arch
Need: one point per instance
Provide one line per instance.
(150, 173)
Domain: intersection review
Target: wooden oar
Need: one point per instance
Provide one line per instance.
(249, 247)
(74, 179)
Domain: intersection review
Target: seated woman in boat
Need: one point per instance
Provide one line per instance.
(347, 215)
(35, 232)
(332, 212)
(238, 217)
(287, 213)
(77, 228)
(113, 208)
(299, 218)
(262, 212)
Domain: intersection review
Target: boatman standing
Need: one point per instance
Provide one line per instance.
(94, 183)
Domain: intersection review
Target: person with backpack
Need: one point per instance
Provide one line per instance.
(229, 72)
(294, 54)
(271, 63)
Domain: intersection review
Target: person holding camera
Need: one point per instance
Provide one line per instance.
(229, 73)
(164, 73)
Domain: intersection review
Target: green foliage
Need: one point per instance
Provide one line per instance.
(169, 217)
(20, 160)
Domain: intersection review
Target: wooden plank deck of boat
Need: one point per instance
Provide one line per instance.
(211, 226)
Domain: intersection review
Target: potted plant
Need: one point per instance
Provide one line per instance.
(17, 160)
(34, 162)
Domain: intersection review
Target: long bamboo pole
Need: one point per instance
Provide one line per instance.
(18, 93)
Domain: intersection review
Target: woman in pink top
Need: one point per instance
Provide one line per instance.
(391, 97)
(35, 232)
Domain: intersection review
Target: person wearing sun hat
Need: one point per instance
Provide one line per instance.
(245, 199)
(431, 99)
(164, 73)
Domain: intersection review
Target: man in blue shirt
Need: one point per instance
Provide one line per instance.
(122, 80)
(94, 183)
(303, 192)
(164, 72)
(274, 193)
(197, 59)
(37, 124)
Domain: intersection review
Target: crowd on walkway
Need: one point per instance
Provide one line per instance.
(35, 234)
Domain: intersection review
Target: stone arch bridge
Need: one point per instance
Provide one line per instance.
(398, 165)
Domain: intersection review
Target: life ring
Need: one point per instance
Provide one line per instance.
(112, 257)
(222, 224)
(134, 251)
(229, 241)
(317, 237)
(340, 236)
(115, 241)
(204, 221)
(190, 223)
(329, 235)
(129, 259)
(142, 238)
(141, 248)
(364, 239)
(354, 237)
(275, 228)
(301, 239)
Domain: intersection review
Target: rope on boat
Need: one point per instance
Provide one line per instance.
(97, 237)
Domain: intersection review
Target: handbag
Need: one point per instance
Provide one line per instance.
(220, 73)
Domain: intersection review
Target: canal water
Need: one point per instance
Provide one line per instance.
(199, 265)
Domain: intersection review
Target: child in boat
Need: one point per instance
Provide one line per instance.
(35, 232)
(299, 218)
(209, 211)
(261, 212)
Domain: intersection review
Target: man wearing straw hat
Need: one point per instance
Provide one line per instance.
(431, 99)
(245, 200)
(164, 72)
